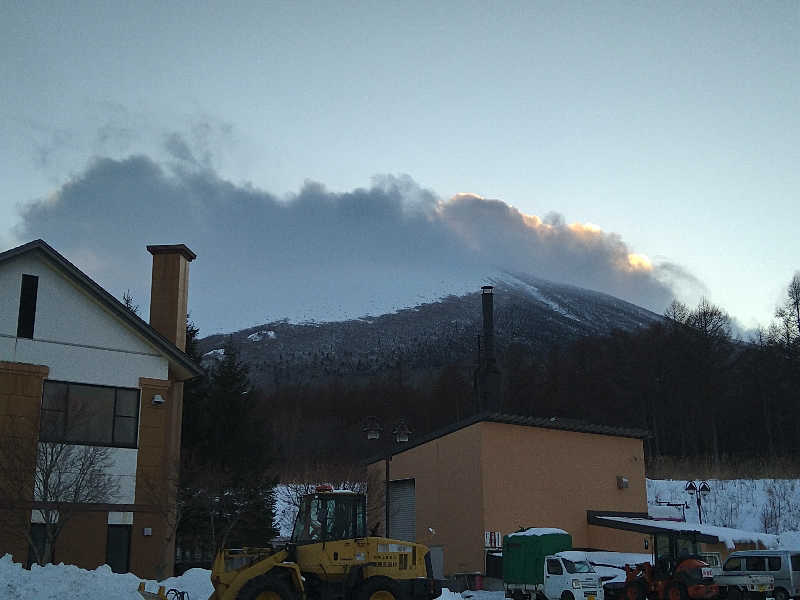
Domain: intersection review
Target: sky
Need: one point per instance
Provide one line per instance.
(307, 151)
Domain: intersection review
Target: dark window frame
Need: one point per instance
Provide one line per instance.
(555, 564)
(61, 438)
(729, 564)
(755, 563)
(26, 317)
(794, 561)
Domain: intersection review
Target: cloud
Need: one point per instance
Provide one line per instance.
(261, 256)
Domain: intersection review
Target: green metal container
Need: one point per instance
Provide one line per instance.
(524, 552)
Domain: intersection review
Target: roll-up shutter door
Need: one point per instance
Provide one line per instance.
(402, 510)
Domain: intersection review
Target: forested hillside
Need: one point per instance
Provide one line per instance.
(684, 377)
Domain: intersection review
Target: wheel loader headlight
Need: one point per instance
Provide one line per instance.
(576, 584)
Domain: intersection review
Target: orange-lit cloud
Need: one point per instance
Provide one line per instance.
(261, 252)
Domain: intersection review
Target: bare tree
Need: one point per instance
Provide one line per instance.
(62, 478)
(793, 300)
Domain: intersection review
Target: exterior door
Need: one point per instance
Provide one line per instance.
(553, 578)
(437, 561)
(402, 510)
(118, 548)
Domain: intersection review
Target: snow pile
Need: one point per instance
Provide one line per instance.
(473, 595)
(67, 582)
(539, 531)
(729, 536)
(609, 565)
(789, 540)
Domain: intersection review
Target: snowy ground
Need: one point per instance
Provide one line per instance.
(66, 582)
(763, 505)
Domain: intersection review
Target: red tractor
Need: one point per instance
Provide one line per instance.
(684, 578)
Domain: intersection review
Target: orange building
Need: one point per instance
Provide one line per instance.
(460, 490)
(79, 370)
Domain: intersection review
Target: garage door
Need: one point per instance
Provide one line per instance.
(402, 510)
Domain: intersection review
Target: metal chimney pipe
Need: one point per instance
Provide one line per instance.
(487, 297)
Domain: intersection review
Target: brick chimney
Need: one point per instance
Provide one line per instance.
(169, 291)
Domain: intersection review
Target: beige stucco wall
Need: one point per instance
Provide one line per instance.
(447, 478)
(536, 477)
(500, 477)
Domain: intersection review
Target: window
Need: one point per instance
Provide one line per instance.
(754, 563)
(577, 567)
(554, 567)
(27, 306)
(733, 564)
(795, 562)
(686, 547)
(89, 414)
(330, 517)
(774, 563)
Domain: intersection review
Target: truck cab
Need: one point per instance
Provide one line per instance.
(539, 565)
(571, 579)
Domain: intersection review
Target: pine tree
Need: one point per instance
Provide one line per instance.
(227, 480)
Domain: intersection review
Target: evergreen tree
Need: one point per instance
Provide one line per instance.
(227, 481)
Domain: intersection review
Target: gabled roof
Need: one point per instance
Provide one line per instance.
(188, 368)
(541, 422)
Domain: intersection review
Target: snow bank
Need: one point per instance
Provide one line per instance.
(767, 505)
(539, 531)
(609, 565)
(67, 582)
(474, 595)
(730, 537)
(789, 540)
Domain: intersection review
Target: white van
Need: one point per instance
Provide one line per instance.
(782, 565)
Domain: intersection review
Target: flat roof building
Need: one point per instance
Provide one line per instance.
(461, 489)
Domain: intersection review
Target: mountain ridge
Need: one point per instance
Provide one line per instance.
(531, 314)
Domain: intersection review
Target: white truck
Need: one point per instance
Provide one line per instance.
(537, 565)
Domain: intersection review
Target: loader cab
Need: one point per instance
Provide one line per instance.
(328, 515)
(670, 550)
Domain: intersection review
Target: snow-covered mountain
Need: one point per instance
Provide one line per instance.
(530, 312)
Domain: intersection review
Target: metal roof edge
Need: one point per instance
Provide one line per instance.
(508, 419)
(600, 519)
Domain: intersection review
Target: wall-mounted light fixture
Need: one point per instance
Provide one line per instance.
(622, 482)
(158, 399)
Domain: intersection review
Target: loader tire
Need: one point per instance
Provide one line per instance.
(676, 591)
(265, 587)
(634, 591)
(567, 595)
(780, 594)
(379, 588)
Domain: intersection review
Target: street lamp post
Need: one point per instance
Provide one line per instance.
(699, 491)
(400, 433)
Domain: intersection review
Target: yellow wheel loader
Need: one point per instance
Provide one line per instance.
(329, 557)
